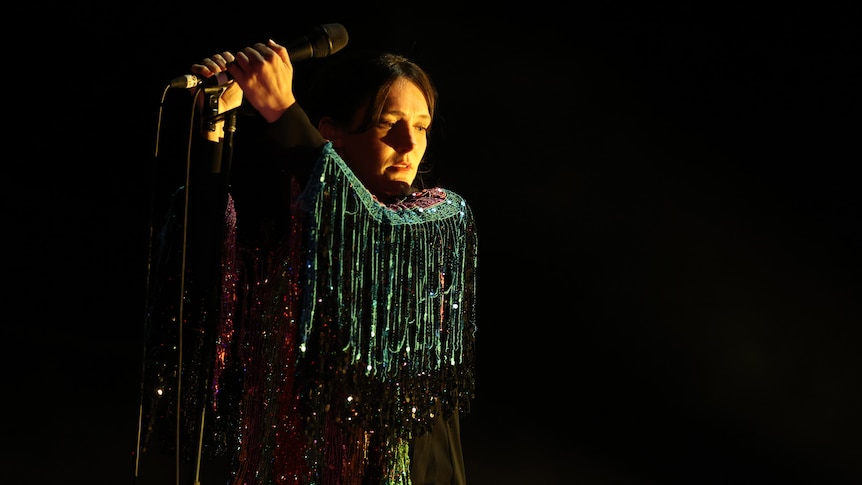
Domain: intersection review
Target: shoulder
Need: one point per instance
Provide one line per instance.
(428, 198)
(433, 205)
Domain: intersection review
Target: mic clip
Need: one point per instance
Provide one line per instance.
(212, 95)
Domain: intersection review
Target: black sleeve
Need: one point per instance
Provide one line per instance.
(293, 130)
(266, 158)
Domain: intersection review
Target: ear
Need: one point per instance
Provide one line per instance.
(329, 130)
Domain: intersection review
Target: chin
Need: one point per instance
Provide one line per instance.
(395, 190)
(402, 188)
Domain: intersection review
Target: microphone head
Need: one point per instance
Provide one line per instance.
(337, 36)
(321, 41)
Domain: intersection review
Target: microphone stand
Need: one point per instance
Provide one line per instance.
(210, 205)
(200, 233)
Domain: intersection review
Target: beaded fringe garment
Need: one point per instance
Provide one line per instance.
(332, 352)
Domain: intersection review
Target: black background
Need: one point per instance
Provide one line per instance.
(668, 208)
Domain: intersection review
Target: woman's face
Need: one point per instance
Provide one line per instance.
(386, 156)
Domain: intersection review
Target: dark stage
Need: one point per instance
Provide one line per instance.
(668, 209)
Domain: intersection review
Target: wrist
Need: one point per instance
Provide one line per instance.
(272, 114)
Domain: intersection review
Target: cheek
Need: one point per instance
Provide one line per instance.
(360, 148)
(421, 146)
(367, 160)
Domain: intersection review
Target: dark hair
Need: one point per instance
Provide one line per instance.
(353, 81)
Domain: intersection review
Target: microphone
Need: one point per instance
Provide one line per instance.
(321, 41)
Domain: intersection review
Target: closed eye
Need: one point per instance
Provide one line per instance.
(388, 125)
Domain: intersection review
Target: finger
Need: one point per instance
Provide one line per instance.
(241, 60)
(264, 53)
(208, 67)
(280, 50)
(239, 65)
(223, 59)
(218, 61)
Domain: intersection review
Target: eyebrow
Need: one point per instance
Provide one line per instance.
(403, 114)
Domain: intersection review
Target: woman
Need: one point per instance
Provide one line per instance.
(344, 349)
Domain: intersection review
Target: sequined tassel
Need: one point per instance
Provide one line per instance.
(388, 319)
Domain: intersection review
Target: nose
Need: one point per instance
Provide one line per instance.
(401, 137)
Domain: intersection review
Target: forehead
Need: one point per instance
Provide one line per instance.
(405, 96)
